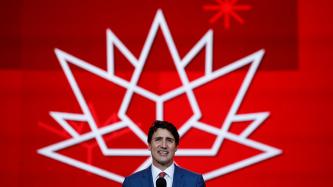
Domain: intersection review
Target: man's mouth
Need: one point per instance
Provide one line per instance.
(163, 152)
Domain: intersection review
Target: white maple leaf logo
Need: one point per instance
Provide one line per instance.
(132, 87)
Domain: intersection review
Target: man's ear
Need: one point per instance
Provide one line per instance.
(149, 146)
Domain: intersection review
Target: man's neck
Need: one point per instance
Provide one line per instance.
(162, 167)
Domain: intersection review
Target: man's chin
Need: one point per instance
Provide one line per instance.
(164, 162)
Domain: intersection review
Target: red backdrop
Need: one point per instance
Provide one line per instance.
(293, 84)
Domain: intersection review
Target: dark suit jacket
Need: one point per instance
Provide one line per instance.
(181, 178)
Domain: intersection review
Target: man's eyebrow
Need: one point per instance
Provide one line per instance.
(158, 137)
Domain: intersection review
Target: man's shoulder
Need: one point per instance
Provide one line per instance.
(191, 178)
(137, 178)
(187, 172)
(138, 174)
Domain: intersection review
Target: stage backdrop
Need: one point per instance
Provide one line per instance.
(248, 84)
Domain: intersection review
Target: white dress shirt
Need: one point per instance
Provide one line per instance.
(168, 177)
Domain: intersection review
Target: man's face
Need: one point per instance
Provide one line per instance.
(162, 148)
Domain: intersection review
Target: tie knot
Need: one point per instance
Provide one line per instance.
(162, 174)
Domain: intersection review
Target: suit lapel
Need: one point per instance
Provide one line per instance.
(147, 178)
(177, 177)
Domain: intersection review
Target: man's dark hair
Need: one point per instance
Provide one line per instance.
(163, 125)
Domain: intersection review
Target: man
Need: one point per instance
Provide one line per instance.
(163, 140)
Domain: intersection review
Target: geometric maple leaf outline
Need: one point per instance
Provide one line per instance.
(187, 87)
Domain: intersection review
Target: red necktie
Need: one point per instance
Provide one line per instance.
(161, 182)
(162, 174)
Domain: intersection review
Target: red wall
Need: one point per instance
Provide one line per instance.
(293, 84)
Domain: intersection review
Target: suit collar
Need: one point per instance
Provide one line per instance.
(177, 177)
(169, 171)
(147, 177)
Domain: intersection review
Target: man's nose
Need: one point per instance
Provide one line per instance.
(164, 144)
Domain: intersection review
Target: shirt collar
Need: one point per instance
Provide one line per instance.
(169, 171)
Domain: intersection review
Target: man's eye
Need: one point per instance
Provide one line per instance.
(170, 140)
(158, 139)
